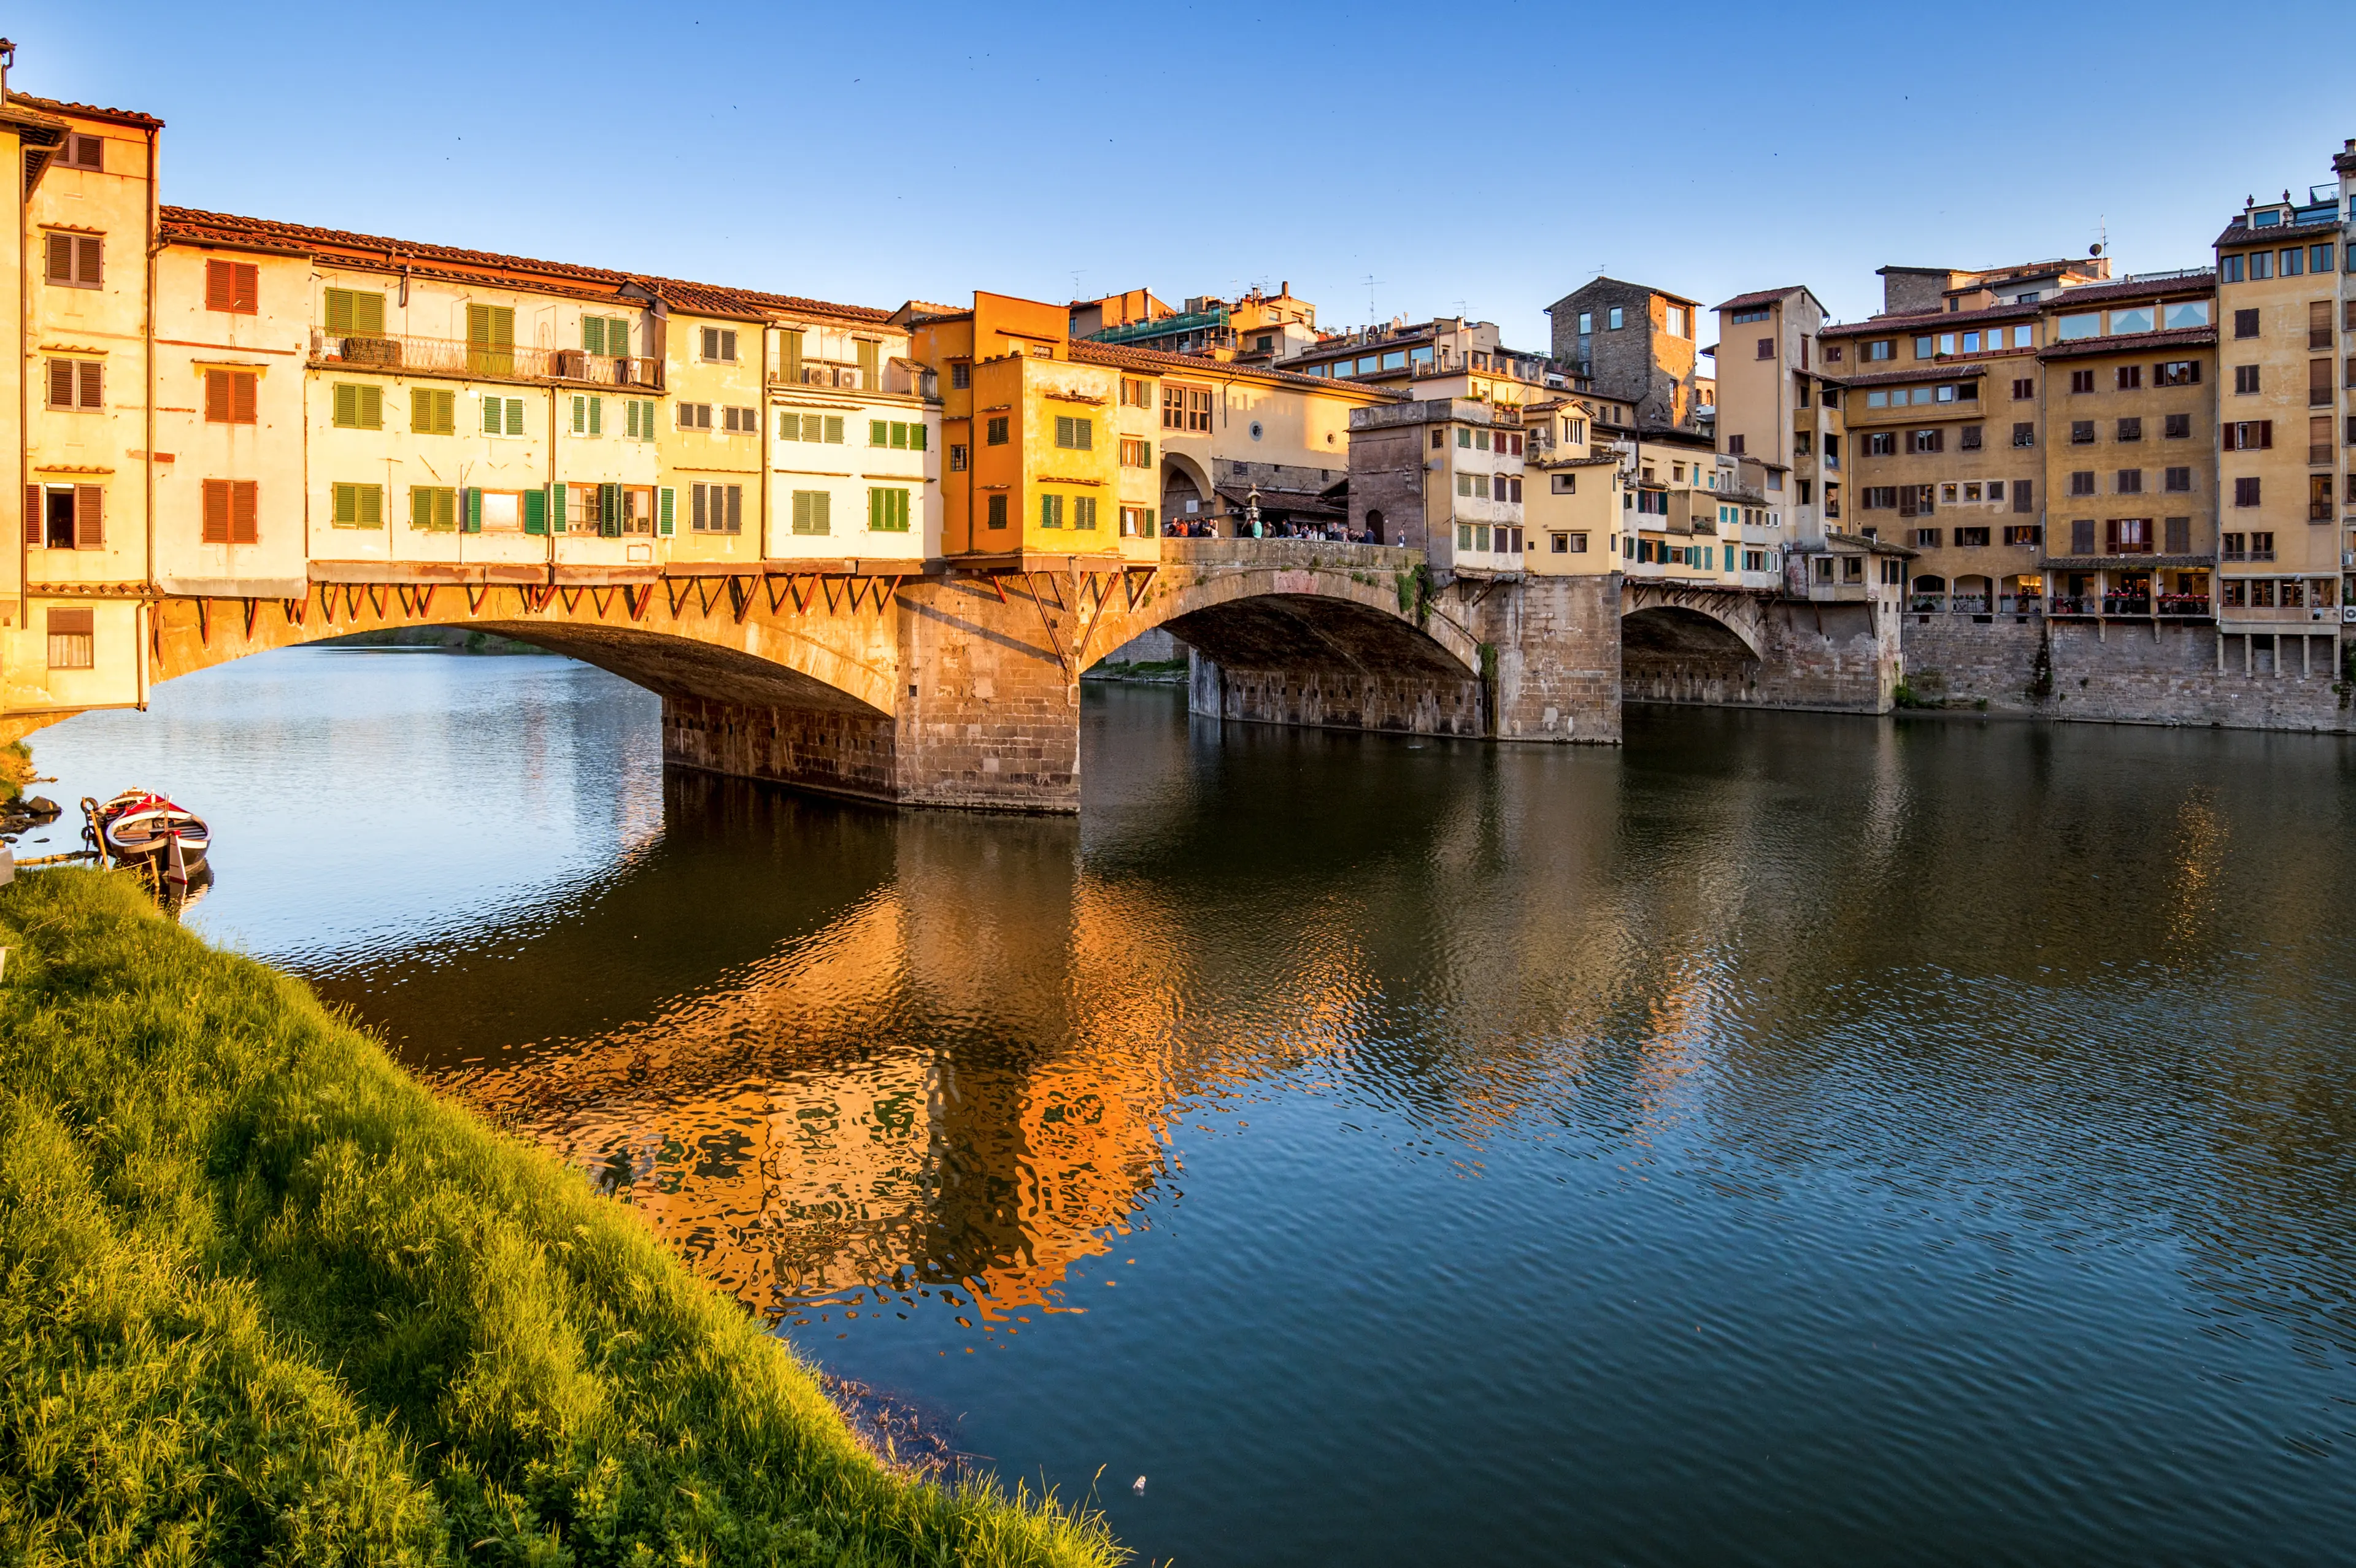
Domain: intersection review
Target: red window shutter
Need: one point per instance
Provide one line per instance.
(221, 287)
(93, 383)
(32, 513)
(88, 272)
(243, 513)
(61, 383)
(243, 390)
(216, 511)
(248, 288)
(90, 516)
(216, 397)
(60, 268)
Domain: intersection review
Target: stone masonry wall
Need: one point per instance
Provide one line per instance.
(2115, 673)
(1829, 657)
(1557, 660)
(1325, 698)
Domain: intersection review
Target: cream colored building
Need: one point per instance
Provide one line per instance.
(2285, 403)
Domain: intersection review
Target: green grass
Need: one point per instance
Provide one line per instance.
(266, 1300)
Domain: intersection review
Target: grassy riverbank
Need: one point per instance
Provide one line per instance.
(267, 1300)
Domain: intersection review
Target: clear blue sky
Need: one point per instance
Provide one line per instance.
(1490, 157)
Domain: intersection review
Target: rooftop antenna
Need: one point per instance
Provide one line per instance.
(1371, 281)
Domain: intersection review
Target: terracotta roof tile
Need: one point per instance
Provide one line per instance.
(1160, 363)
(1760, 296)
(2132, 343)
(87, 110)
(2242, 234)
(2198, 281)
(192, 225)
(1916, 321)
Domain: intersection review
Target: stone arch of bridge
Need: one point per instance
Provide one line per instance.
(1677, 624)
(1274, 615)
(844, 662)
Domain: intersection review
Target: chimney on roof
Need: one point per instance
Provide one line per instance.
(8, 59)
(1286, 287)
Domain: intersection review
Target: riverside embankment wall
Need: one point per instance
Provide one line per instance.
(2129, 673)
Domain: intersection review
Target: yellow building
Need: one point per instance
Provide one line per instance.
(1035, 423)
(76, 635)
(1573, 494)
(2286, 312)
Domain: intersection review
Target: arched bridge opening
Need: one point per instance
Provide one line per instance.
(1688, 652)
(1298, 633)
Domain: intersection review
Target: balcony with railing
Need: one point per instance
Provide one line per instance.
(2184, 606)
(2071, 604)
(2137, 604)
(483, 362)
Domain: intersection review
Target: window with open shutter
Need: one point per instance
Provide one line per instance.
(667, 511)
(90, 516)
(868, 352)
(34, 495)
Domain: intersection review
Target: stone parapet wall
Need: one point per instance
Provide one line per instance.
(2128, 672)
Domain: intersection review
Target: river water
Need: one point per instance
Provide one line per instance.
(1785, 1139)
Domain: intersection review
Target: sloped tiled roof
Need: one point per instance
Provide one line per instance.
(2242, 234)
(2133, 342)
(2197, 282)
(1916, 321)
(1154, 361)
(87, 110)
(192, 226)
(1760, 296)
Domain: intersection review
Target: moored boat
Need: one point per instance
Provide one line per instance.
(140, 826)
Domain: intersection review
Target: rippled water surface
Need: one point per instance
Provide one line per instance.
(1785, 1139)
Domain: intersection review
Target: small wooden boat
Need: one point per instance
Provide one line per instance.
(140, 826)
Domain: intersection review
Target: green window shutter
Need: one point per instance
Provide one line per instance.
(823, 511)
(596, 416)
(421, 410)
(834, 429)
(371, 506)
(1153, 529)
(556, 512)
(878, 434)
(667, 515)
(478, 325)
(515, 416)
(915, 438)
(340, 504)
(874, 510)
(1063, 430)
(801, 511)
(1148, 448)
(368, 315)
(421, 506)
(580, 414)
(371, 408)
(491, 420)
(340, 311)
(348, 405)
(593, 335)
(793, 347)
(630, 416)
(609, 511)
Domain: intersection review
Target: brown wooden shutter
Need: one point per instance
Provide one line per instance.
(216, 528)
(220, 288)
(217, 397)
(61, 383)
(244, 507)
(2020, 493)
(243, 396)
(248, 289)
(88, 272)
(2265, 435)
(33, 514)
(90, 516)
(60, 268)
(93, 384)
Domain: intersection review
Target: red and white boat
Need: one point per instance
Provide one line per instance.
(140, 824)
